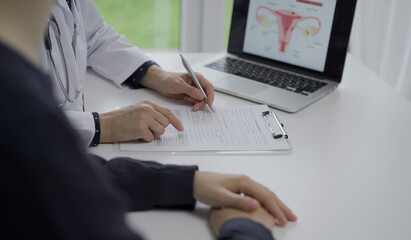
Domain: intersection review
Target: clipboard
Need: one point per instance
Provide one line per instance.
(231, 129)
(283, 134)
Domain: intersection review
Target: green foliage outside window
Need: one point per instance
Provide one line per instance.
(150, 24)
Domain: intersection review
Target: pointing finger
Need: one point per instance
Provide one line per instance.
(169, 115)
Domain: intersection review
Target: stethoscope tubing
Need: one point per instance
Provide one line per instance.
(66, 91)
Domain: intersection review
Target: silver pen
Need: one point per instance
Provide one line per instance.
(191, 74)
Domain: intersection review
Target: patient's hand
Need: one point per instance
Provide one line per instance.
(240, 192)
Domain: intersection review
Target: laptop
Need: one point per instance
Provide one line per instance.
(283, 53)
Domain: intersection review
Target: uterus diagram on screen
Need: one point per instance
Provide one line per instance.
(287, 21)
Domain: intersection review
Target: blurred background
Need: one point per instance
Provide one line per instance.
(156, 24)
(381, 35)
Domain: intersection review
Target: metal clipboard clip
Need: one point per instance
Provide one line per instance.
(280, 125)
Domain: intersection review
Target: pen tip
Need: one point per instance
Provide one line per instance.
(212, 109)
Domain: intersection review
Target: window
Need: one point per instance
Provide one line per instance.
(150, 24)
(170, 25)
(228, 14)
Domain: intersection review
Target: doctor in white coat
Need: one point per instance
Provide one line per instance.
(77, 38)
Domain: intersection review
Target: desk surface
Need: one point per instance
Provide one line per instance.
(348, 176)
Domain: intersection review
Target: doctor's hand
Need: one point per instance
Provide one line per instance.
(140, 121)
(240, 192)
(178, 86)
(219, 216)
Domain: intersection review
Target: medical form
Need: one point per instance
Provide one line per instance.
(239, 128)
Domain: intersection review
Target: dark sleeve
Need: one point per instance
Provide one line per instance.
(150, 184)
(134, 80)
(244, 229)
(49, 188)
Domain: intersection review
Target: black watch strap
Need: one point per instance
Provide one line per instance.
(134, 80)
(96, 138)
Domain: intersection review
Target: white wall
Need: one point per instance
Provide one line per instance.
(381, 38)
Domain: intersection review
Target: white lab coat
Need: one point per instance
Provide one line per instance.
(87, 42)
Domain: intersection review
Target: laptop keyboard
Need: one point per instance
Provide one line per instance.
(273, 77)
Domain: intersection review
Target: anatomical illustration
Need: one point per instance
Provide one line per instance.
(287, 21)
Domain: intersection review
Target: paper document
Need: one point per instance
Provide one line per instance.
(240, 128)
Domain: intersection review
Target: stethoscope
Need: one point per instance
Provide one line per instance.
(47, 42)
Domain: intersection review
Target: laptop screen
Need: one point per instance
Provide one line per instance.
(290, 31)
(310, 35)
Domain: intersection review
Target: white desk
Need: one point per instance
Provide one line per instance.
(348, 176)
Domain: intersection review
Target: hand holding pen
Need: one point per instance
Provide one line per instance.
(196, 81)
(179, 86)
